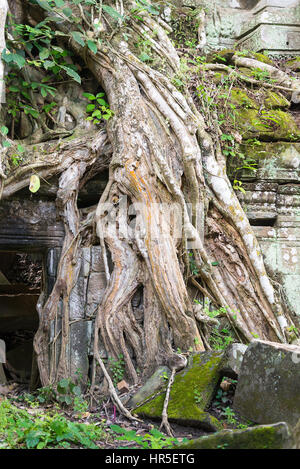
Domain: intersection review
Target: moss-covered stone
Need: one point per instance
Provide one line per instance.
(221, 56)
(275, 161)
(191, 393)
(275, 101)
(240, 99)
(267, 125)
(277, 436)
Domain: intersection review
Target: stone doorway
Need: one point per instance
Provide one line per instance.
(21, 275)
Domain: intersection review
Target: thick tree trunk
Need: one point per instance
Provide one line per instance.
(162, 157)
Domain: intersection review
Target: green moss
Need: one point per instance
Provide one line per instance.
(275, 101)
(200, 377)
(267, 125)
(261, 57)
(221, 56)
(240, 99)
(261, 437)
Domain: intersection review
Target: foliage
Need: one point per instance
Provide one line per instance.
(219, 340)
(20, 429)
(98, 108)
(152, 440)
(117, 368)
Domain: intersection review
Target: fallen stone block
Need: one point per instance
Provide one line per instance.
(277, 436)
(156, 382)
(191, 393)
(269, 383)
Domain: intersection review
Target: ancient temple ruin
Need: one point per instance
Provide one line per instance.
(31, 235)
(268, 26)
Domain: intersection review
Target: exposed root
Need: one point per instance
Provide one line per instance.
(176, 363)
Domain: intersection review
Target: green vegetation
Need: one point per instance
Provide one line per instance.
(117, 368)
(152, 440)
(38, 429)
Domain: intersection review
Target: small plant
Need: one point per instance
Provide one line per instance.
(198, 397)
(219, 340)
(117, 369)
(98, 108)
(165, 376)
(230, 415)
(152, 440)
(66, 391)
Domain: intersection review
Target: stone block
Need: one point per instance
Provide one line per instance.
(277, 436)
(191, 393)
(269, 383)
(152, 385)
(97, 285)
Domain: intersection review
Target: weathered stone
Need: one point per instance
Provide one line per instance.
(257, 25)
(233, 358)
(152, 385)
(272, 202)
(29, 224)
(277, 436)
(273, 124)
(191, 392)
(2, 351)
(2, 375)
(269, 383)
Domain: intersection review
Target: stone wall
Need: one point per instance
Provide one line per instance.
(271, 26)
(272, 203)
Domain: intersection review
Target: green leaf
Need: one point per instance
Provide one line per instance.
(215, 263)
(92, 46)
(44, 4)
(112, 12)
(34, 183)
(64, 383)
(4, 130)
(90, 96)
(68, 12)
(144, 57)
(18, 60)
(21, 149)
(14, 89)
(78, 37)
(102, 102)
(48, 63)
(90, 107)
(44, 53)
(59, 3)
(77, 391)
(72, 73)
(97, 113)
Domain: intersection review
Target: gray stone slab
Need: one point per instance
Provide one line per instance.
(269, 383)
